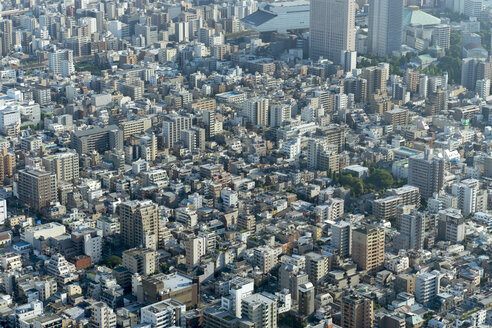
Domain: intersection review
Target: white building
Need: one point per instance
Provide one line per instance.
(292, 148)
(341, 237)
(427, 286)
(239, 288)
(163, 314)
(229, 197)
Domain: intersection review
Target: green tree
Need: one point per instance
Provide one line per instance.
(380, 179)
(112, 261)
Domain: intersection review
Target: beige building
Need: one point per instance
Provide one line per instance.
(139, 223)
(140, 260)
(368, 247)
(64, 165)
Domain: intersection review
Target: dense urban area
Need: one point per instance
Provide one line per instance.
(245, 163)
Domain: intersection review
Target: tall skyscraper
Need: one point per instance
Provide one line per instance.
(368, 247)
(357, 312)
(139, 223)
(385, 26)
(37, 188)
(332, 28)
(427, 173)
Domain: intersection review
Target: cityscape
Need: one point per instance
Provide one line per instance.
(245, 164)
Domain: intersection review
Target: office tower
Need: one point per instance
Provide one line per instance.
(172, 126)
(102, 316)
(332, 28)
(163, 314)
(317, 266)
(256, 110)
(473, 8)
(412, 231)
(195, 249)
(7, 166)
(139, 223)
(341, 238)
(36, 188)
(427, 173)
(261, 310)
(140, 260)
(64, 165)
(368, 247)
(466, 191)
(385, 26)
(61, 62)
(265, 258)
(97, 139)
(279, 114)
(482, 88)
(133, 88)
(357, 312)
(306, 299)
(451, 226)
(427, 286)
(412, 79)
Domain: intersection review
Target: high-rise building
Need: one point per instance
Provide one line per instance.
(466, 191)
(482, 88)
(139, 223)
(209, 121)
(37, 188)
(368, 247)
(172, 126)
(140, 260)
(163, 314)
(317, 266)
(306, 299)
(256, 109)
(261, 310)
(332, 28)
(412, 231)
(279, 114)
(266, 258)
(321, 157)
(357, 312)
(427, 286)
(195, 249)
(377, 78)
(61, 62)
(427, 173)
(64, 165)
(451, 225)
(102, 316)
(7, 166)
(473, 8)
(385, 26)
(341, 237)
